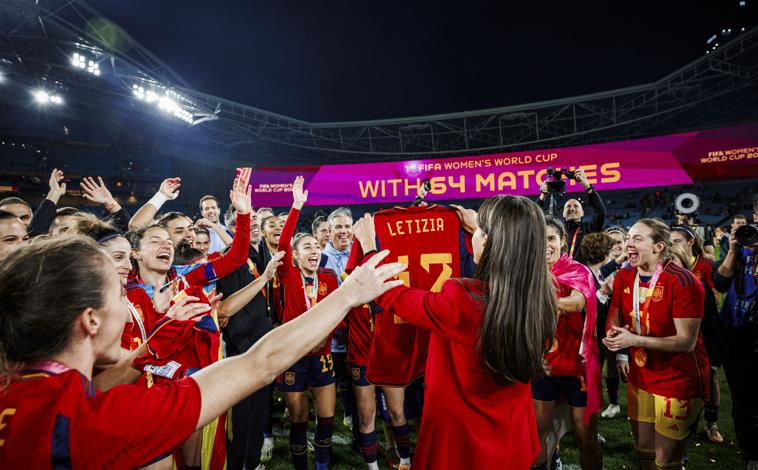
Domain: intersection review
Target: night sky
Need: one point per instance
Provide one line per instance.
(329, 60)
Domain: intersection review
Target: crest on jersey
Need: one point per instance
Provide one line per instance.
(657, 293)
(321, 289)
(356, 373)
(289, 378)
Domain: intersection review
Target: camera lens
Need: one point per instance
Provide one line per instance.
(747, 235)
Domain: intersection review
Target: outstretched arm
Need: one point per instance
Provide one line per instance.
(227, 382)
(237, 301)
(168, 191)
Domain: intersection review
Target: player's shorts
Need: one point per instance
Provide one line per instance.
(308, 372)
(673, 417)
(549, 388)
(358, 376)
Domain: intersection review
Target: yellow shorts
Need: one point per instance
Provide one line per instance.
(673, 418)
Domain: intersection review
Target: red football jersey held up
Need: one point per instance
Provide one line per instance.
(677, 294)
(563, 356)
(428, 240)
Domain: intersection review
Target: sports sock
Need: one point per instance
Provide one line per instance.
(647, 458)
(402, 436)
(369, 446)
(299, 445)
(668, 466)
(322, 442)
(612, 385)
(711, 413)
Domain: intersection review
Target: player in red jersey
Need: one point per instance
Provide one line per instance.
(572, 360)
(305, 285)
(52, 338)
(488, 338)
(656, 312)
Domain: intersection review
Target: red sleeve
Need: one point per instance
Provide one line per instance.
(228, 263)
(440, 312)
(708, 274)
(689, 298)
(285, 242)
(615, 310)
(153, 420)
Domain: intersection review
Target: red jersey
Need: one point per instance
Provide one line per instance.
(360, 324)
(563, 356)
(677, 294)
(428, 240)
(703, 269)
(470, 420)
(61, 421)
(295, 284)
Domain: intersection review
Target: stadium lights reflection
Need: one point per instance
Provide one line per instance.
(167, 103)
(81, 62)
(42, 97)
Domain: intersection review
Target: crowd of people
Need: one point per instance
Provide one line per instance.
(152, 340)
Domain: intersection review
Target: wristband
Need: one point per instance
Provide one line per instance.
(158, 200)
(622, 358)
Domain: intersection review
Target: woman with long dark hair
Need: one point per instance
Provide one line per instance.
(52, 338)
(489, 335)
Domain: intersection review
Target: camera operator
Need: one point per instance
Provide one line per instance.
(573, 212)
(737, 276)
(737, 221)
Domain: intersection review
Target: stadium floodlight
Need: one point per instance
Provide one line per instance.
(81, 62)
(42, 97)
(167, 101)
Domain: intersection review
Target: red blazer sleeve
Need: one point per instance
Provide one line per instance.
(228, 263)
(442, 312)
(285, 242)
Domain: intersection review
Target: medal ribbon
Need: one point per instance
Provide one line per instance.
(648, 296)
(138, 320)
(309, 299)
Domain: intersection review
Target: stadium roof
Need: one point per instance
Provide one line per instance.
(134, 92)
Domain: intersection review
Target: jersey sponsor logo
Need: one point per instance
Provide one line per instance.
(657, 293)
(321, 289)
(167, 370)
(289, 378)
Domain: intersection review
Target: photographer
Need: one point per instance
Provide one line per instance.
(737, 277)
(573, 212)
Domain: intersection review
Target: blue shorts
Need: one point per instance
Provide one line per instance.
(308, 372)
(549, 388)
(358, 376)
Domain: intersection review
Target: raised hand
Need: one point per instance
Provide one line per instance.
(275, 262)
(468, 218)
(365, 232)
(57, 186)
(299, 196)
(240, 196)
(97, 192)
(170, 188)
(581, 178)
(368, 281)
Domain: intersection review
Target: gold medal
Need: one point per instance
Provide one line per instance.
(640, 357)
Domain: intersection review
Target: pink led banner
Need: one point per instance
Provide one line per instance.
(718, 154)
